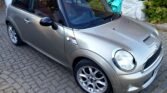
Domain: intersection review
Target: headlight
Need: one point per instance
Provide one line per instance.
(124, 60)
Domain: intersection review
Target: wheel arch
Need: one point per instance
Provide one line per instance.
(78, 59)
(10, 21)
(100, 61)
(7, 21)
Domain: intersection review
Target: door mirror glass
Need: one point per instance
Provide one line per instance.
(46, 21)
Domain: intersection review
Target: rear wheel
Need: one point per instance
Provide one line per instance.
(13, 35)
(91, 77)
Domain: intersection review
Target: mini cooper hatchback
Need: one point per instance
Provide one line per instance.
(107, 52)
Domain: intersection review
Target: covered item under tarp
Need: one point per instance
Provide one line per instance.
(134, 9)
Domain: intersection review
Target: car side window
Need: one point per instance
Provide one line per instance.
(23, 4)
(48, 8)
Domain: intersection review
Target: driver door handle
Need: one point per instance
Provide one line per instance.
(27, 21)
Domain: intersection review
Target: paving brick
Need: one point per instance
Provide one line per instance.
(62, 91)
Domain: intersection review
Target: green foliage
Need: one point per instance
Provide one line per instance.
(96, 4)
(156, 11)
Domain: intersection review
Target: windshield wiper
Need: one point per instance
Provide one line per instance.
(112, 16)
(108, 17)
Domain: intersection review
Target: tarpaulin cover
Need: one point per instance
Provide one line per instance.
(115, 5)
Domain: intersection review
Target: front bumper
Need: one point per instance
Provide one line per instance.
(133, 83)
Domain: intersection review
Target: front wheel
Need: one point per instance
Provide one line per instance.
(91, 77)
(13, 35)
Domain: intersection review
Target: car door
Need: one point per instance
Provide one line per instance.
(44, 38)
(17, 12)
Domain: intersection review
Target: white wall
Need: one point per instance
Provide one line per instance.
(8, 2)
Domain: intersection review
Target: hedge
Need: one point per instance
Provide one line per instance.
(156, 11)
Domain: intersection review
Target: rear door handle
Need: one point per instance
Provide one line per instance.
(27, 21)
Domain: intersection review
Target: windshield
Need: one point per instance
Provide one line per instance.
(86, 13)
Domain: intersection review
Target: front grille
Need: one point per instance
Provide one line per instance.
(153, 58)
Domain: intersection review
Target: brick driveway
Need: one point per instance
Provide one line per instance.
(24, 70)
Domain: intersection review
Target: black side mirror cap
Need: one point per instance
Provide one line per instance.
(46, 21)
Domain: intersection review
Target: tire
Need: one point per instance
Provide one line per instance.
(91, 82)
(13, 35)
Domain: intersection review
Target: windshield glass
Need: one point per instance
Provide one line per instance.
(86, 13)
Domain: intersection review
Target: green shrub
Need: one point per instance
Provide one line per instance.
(156, 11)
(96, 4)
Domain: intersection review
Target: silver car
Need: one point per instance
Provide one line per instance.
(107, 52)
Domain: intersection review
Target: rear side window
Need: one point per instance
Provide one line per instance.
(23, 4)
(46, 7)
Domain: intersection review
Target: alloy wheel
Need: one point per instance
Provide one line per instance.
(92, 80)
(12, 34)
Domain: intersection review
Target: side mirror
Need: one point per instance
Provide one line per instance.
(47, 21)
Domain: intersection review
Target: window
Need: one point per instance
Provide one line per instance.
(97, 5)
(86, 13)
(23, 4)
(48, 8)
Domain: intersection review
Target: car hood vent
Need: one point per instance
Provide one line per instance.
(148, 40)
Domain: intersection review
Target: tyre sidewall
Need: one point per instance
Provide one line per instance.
(19, 41)
(86, 62)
